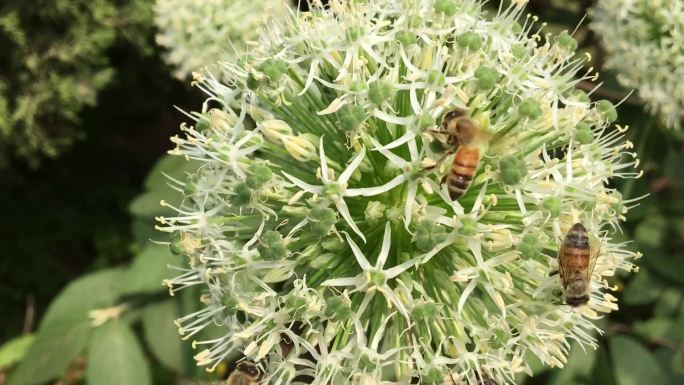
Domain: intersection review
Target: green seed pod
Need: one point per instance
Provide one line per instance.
(607, 110)
(322, 220)
(272, 245)
(529, 108)
(428, 234)
(487, 77)
(513, 169)
(259, 175)
(469, 40)
(380, 92)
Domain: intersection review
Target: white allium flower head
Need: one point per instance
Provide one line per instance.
(199, 33)
(318, 216)
(645, 44)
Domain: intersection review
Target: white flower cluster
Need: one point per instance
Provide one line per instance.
(200, 33)
(319, 229)
(645, 44)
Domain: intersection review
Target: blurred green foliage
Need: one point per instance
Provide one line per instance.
(54, 62)
(72, 69)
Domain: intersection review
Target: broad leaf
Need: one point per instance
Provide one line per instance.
(14, 350)
(148, 269)
(116, 358)
(54, 348)
(162, 335)
(92, 291)
(634, 364)
(642, 289)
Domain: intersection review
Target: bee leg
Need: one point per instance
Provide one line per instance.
(553, 272)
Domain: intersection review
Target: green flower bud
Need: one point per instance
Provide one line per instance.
(446, 7)
(322, 220)
(530, 247)
(518, 51)
(273, 69)
(202, 124)
(425, 120)
(176, 245)
(566, 41)
(242, 194)
(380, 92)
(428, 234)
(337, 309)
(553, 205)
(469, 40)
(584, 134)
(513, 169)
(295, 302)
(351, 117)
(487, 77)
(529, 108)
(607, 110)
(232, 305)
(333, 244)
(366, 363)
(272, 245)
(259, 175)
(581, 96)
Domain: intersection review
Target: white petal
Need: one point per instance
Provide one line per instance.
(410, 199)
(464, 296)
(394, 159)
(347, 281)
(380, 332)
(303, 185)
(324, 164)
(478, 201)
(333, 107)
(309, 79)
(384, 250)
(392, 297)
(358, 254)
(398, 269)
(353, 165)
(408, 135)
(344, 211)
(371, 191)
(400, 120)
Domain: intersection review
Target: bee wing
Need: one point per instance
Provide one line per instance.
(595, 248)
(561, 271)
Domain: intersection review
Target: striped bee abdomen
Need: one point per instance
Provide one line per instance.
(462, 171)
(576, 249)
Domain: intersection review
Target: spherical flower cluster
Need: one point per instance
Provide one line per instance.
(199, 33)
(318, 228)
(645, 44)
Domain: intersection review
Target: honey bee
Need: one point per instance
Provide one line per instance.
(576, 261)
(245, 373)
(463, 137)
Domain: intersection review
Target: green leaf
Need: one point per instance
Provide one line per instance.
(668, 266)
(157, 186)
(116, 358)
(91, 291)
(162, 336)
(642, 289)
(54, 348)
(653, 328)
(148, 269)
(14, 350)
(634, 364)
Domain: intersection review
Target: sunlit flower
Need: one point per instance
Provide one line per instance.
(342, 257)
(200, 33)
(645, 44)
